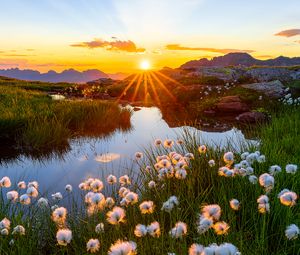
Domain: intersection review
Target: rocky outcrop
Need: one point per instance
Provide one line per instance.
(251, 117)
(231, 104)
(274, 89)
(269, 74)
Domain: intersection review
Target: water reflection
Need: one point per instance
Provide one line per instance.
(99, 157)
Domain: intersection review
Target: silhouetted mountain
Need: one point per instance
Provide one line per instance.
(241, 59)
(69, 75)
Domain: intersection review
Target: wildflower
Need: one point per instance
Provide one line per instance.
(251, 158)
(53, 207)
(221, 228)
(122, 248)
(116, 216)
(180, 174)
(228, 158)
(147, 207)
(5, 182)
(274, 169)
(227, 249)
(154, 229)
(124, 180)
(4, 232)
(167, 206)
(131, 198)
(196, 249)
(19, 229)
(32, 191)
(179, 142)
(174, 200)
(157, 142)
(99, 228)
(168, 143)
(261, 159)
(234, 204)
(57, 196)
(252, 179)
(59, 215)
(42, 202)
(12, 195)
(189, 155)
(98, 200)
(140, 230)
(179, 230)
(148, 169)
(5, 223)
(93, 245)
(25, 199)
(109, 202)
(69, 188)
(138, 155)
(211, 163)
(267, 181)
(211, 211)
(34, 184)
(291, 169)
(244, 164)
(151, 184)
(111, 179)
(164, 163)
(97, 185)
(244, 155)
(202, 149)
(64, 236)
(22, 185)
(263, 204)
(292, 232)
(288, 198)
(204, 224)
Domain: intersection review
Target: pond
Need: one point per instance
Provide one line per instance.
(99, 157)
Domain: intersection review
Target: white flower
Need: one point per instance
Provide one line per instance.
(151, 184)
(93, 245)
(244, 155)
(202, 149)
(167, 206)
(221, 228)
(154, 229)
(111, 179)
(116, 216)
(32, 191)
(124, 180)
(122, 248)
(227, 249)
(291, 169)
(123, 191)
(11, 242)
(5, 223)
(57, 196)
(196, 249)
(25, 199)
(234, 204)
(33, 184)
(211, 163)
(252, 179)
(4, 232)
(180, 174)
(69, 188)
(99, 228)
(140, 230)
(204, 224)
(179, 230)
(138, 155)
(292, 232)
(274, 169)
(131, 198)
(261, 159)
(211, 211)
(267, 181)
(5, 182)
(168, 143)
(19, 229)
(157, 142)
(64, 236)
(42, 202)
(263, 204)
(147, 207)
(22, 185)
(12, 195)
(96, 185)
(288, 198)
(228, 158)
(109, 202)
(59, 215)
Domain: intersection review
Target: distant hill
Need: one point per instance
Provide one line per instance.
(241, 59)
(70, 75)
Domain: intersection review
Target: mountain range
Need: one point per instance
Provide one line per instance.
(70, 75)
(240, 59)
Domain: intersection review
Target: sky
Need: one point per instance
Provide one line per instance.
(117, 35)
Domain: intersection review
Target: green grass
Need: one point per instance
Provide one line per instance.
(251, 232)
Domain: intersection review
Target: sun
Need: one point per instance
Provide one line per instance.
(145, 65)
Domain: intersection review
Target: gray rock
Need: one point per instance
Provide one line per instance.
(251, 117)
(231, 104)
(273, 89)
(270, 73)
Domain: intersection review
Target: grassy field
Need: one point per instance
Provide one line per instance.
(250, 231)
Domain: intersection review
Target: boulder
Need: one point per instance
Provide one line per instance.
(265, 74)
(252, 117)
(274, 89)
(231, 104)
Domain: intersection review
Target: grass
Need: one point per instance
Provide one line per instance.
(250, 231)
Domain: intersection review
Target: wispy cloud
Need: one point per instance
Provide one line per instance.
(288, 33)
(115, 45)
(224, 51)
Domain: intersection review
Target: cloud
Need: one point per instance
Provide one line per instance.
(115, 45)
(64, 65)
(224, 51)
(297, 41)
(289, 33)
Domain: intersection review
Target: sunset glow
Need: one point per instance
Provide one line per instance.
(145, 65)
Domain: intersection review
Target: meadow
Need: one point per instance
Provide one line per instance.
(189, 199)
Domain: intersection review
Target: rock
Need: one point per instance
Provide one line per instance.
(252, 117)
(265, 74)
(273, 89)
(231, 104)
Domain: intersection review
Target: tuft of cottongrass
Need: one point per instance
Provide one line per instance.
(292, 232)
(25, 199)
(116, 216)
(202, 149)
(93, 245)
(32, 191)
(57, 196)
(5, 182)
(5, 224)
(154, 229)
(111, 179)
(138, 155)
(21, 185)
(123, 248)
(140, 230)
(228, 158)
(267, 181)
(263, 204)
(221, 228)
(211, 212)
(64, 236)
(179, 230)
(291, 168)
(59, 215)
(99, 228)
(196, 249)
(234, 204)
(124, 180)
(287, 197)
(12, 196)
(18, 230)
(211, 163)
(69, 188)
(147, 207)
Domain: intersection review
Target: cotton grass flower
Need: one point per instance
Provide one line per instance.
(180, 174)
(12, 196)
(57, 196)
(109, 202)
(253, 179)
(288, 198)
(151, 184)
(291, 168)
(204, 224)
(157, 142)
(116, 216)
(147, 207)
(34, 184)
(93, 245)
(5, 223)
(5, 182)
(69, 188)
(59, 215)
(42, 202)
(234, 204)
(263, 204)
(211, 212)
(292, 232)
(170, 203)
(131, 198)
(140, 230)
(211, 163)
(18, 230)
(202, 149)
(97, 185)
(124, 180)
(154, 229)
(99, 228)
(179, 230)
(111, 179)
(25, 199)
(196, 249)
(4, 232)
(228, 158)
(267, 181)
(123, 248)
(168, 143)
(32, 191)
(221, 228)
(64, 236)
(21, 185)
(275, 169)
(138, 155)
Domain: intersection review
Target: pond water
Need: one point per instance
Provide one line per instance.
(94, 157)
